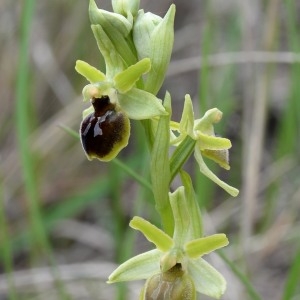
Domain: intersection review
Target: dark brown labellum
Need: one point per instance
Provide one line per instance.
(105, 131)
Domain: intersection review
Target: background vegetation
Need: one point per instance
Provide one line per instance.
(64, 220)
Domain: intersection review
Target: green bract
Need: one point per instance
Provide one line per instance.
(182, 252)
(206, 143)
(105, 127)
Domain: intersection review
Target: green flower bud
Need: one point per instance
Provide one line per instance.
(174, 284)
(126, 7)
(153, 37)
(112, 33)
(108, 20)
(142, 30)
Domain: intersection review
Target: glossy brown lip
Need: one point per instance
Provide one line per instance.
(103, 131)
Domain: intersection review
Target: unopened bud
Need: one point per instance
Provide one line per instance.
(153, 37)
(126, 7)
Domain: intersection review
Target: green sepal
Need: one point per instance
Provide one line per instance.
(89, 72)
(160, 239)
(181, 216)
(139, 104)
(207, 279)
(198, 247)
(138, 267)
(207, 172)
(187, 119)
(113, 61)
(126, 79)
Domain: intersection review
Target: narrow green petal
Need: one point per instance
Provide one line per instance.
(89, 72)
(205, 245)
(160, 239)
(207, 279)
(139, 267)
(126, 80)
(140, 105)
(212, 142)
(207, 172)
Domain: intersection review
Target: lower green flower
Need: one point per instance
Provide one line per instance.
(176, 266)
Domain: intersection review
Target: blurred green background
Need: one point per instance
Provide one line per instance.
(64, 220)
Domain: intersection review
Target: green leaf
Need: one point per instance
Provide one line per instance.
(139, 267)
(160, 239)
(181, 155)
(124, 81)
(205, 245)
(139, 104)
(92, 74)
